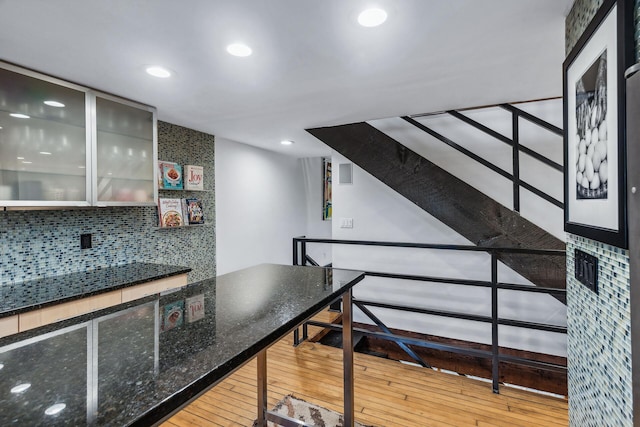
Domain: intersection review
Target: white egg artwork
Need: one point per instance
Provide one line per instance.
(591, 138)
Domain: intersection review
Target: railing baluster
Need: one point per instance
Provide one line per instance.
(515, 150)
(495, 355)
(514, 142)
(303, 248)
(494, 284)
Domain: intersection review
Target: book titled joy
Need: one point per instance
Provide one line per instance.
(193, 177)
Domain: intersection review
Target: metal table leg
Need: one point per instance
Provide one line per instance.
(262, 388)
(347, 355)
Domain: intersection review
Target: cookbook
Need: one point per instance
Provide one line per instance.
(171, 176)
(194, 308)
(195, 211)
(173, 315)
(193, 178)
(170, 213)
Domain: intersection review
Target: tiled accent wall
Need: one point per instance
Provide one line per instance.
(580, 15)
(35, 244)
(599, 339)
(577, 20)
(599, 326)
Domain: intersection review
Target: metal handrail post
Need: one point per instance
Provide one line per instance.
(303, 252)
(495, 355)
(296, 333)
(515, 150)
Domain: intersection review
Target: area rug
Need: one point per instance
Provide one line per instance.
(308, 413)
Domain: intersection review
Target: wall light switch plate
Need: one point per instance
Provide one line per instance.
(586, 269)
(346, 222)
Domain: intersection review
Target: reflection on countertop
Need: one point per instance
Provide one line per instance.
(138, 362)
(29, 295)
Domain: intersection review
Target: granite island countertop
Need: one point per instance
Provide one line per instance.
(136, 363)
(29, 295)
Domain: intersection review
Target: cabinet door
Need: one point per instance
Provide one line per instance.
(43, 141)
(125, 153)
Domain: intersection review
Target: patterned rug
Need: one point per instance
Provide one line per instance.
(308, 413)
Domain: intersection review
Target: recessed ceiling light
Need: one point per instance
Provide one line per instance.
(286, 142)
(20, 388)
(239, 49)
(160, 72)
(82, 167)
(26, 162)
(372, 17)
(0, 127)
(54, 104)
(45, 153)
(19, 116)
(55, 409)
(20, 158)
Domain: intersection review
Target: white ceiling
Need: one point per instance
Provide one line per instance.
(312, 64)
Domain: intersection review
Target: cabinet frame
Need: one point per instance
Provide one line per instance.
(94, 94)
(91, 176)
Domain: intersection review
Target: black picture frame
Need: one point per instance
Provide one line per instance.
(595, 126)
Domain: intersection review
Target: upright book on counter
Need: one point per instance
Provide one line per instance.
(171, 212)
(172, 315)
(194, 308)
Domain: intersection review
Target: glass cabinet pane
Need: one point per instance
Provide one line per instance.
(43, 140)
(124, 153)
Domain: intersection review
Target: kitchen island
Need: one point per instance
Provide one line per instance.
(138, 363)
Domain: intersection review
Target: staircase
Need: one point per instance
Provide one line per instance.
(465, 209)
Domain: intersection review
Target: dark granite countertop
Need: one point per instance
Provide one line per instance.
(34, 294)
(136, 363)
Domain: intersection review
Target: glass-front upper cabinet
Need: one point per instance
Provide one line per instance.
(66, 145)
(44, 154)
(125, 153)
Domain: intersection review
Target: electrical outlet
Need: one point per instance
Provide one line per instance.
(85, 241)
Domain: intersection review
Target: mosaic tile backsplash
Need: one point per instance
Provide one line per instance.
(580, 16)
(36, 244)
(599, 339)
(598, 325)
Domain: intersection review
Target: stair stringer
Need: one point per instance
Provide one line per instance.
(455, 203)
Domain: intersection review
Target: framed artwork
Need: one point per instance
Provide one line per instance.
(594, 129)
(326, 189)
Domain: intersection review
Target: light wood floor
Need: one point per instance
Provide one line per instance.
(387, 393)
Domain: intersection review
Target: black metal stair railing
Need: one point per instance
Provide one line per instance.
(514, 142)
(300, 257)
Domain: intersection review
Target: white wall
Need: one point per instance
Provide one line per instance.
(260, 206)
(380, 213)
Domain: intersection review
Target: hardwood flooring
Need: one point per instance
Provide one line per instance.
(387, 393)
